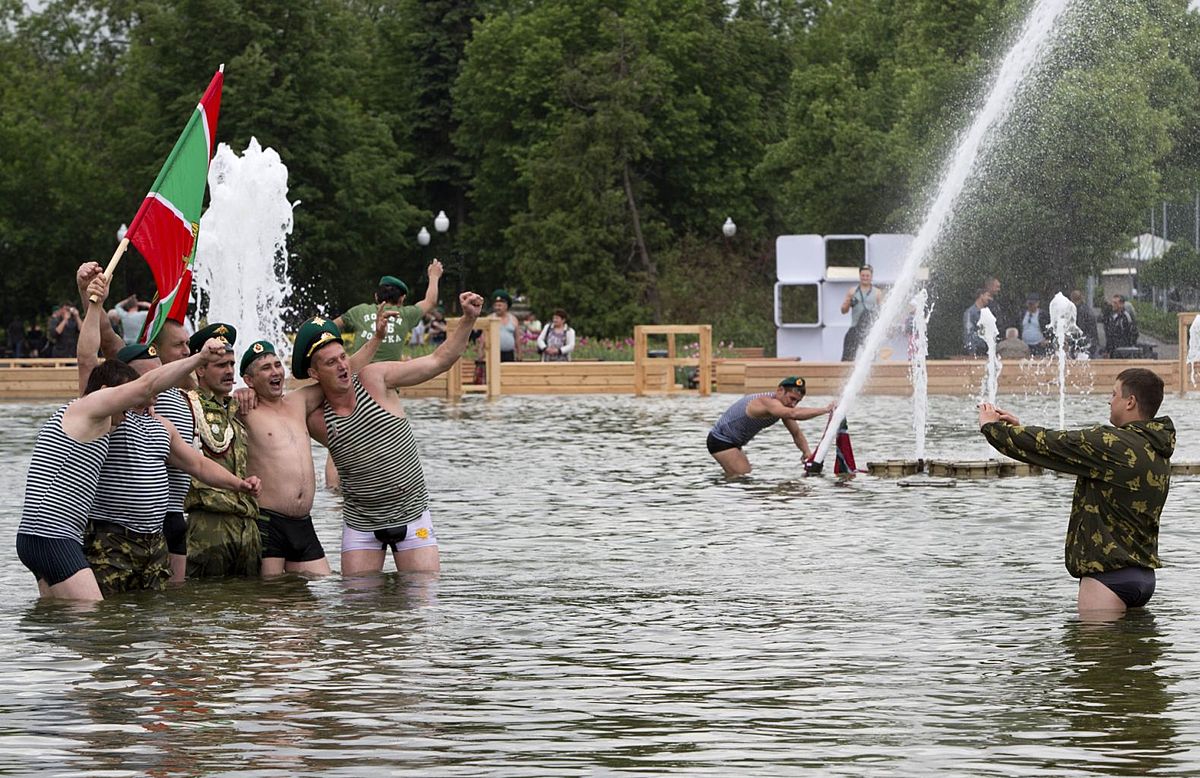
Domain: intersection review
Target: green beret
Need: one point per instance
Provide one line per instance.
(225, 332)
(137, 351)
(257, 349)
(393, 281)
(312, 335)
(501, 294)
(793, 382)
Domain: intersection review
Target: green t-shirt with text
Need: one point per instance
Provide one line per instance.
(360, 320)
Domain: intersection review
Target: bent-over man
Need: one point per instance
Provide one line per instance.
(754, 413)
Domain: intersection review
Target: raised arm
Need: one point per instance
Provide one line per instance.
(110, 341)
(93, 411)
(412, 372)
(776, 408)
(89, 333)
(431, 293)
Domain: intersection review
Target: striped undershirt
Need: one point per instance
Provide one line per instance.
(61, 483)
(133, 482)
(173, 406)
(376, 456)
(735, 427)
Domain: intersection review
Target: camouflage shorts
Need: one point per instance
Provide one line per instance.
(221, 544)
(124, 560)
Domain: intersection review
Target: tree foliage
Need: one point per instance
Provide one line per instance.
(588, 151)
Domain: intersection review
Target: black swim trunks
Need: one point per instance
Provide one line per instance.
(175, 531)
(1134, 585)
(284, 536)
(52, 560)
(716, 445)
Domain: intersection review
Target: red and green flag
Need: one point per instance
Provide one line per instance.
(168, 222)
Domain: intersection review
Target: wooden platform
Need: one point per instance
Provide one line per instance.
(51, 379)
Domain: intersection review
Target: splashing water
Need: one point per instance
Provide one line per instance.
(241, 271)
(991, 376)
(1062, 318)
(916, 368)
(1017, 64)
(1193, 352)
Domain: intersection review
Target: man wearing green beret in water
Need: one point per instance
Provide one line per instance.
(361, 421)
(360, 320)
(279, 453)
(754, 413)
(222, 526)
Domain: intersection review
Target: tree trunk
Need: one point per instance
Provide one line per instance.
(648, 266)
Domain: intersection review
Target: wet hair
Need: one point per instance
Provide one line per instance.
(388, 294)
(110, 372)
(1145, 385)
(867, 268)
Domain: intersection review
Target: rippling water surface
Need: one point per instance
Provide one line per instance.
(608, 603)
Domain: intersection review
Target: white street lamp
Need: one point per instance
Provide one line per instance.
(441, 222)
(121, 233)
(729, 228)
(423, 237)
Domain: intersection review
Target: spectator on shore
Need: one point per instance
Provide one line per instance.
(63, 331)
(973, 343)
(556, 342)
(437, 327)
(510, 326)
(998, 305)
(862, 303)
(1012, 347)
(1085, 318)
(1120, 330)
(1033, 324)
(16, 338)
(36, 344)
(130, 316)
(360, 320)
(531, 327)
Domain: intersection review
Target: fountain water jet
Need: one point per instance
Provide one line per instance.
(1062, 318)
(1017, 64)
(991, 376)
(241, 270)
(1193, 352)
(916, 369)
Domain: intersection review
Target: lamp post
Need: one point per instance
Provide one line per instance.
(729, 228)
(441, 222)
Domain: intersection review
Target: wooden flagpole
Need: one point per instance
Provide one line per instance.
(112, 263)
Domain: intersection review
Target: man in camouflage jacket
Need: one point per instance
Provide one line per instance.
(222, 534)
(1123, 470)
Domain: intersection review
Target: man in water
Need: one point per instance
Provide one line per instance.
(279, 453)
(385, 502)
(68, 485)
(360, 320)
(222, 525)
(754, 413)
(1123, 471)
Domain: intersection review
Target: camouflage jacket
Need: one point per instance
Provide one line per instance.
(1123, 477)
(223, 440)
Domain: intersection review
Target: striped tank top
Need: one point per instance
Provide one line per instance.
(133, 481)
(376, 456)
(61, 483)
(736, 427)
(173, 406)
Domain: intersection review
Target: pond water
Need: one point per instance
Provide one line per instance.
(608, 603)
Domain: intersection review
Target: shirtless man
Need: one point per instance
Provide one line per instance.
(279, 454)
(754, 413)
(385, 502)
